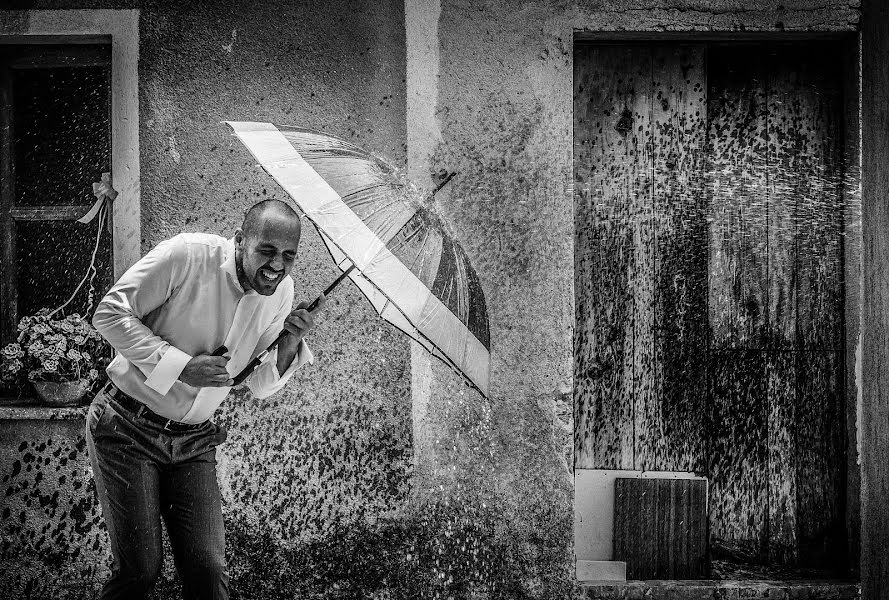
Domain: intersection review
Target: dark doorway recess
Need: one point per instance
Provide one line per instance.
(712, 216)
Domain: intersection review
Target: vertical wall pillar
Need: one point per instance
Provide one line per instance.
(874, 409)
(423, 136)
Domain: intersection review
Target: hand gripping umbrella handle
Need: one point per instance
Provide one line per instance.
(245, 372)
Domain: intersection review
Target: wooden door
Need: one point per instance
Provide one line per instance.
(709, 290)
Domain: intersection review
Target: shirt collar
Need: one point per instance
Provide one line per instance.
(229, 267)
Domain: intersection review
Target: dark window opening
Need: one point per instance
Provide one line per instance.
(55, 141)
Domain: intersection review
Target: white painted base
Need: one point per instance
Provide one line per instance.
(601, 571)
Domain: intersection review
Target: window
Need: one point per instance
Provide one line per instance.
(73, 74)
(55, 140)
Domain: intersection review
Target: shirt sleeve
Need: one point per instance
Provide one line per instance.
(265, 380)
(143, 288)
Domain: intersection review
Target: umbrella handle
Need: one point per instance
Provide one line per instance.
(251, 366)
(245, 372)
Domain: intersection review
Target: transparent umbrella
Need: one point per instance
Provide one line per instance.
(386, 237)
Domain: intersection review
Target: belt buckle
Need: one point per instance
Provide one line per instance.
(167, 425)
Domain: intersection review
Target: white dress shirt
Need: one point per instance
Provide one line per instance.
(183, 299)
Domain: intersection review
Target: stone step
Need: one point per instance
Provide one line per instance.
(723, 590)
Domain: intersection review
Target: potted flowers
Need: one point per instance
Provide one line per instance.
(62, 358)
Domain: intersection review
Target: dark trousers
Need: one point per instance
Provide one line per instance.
(144, 473)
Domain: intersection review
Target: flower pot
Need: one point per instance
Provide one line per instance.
(64, 393)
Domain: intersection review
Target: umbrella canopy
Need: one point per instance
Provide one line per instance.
(405, 260)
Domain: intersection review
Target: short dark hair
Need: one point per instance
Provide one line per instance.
(260, 209)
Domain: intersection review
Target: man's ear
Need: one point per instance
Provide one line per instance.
(239, 237)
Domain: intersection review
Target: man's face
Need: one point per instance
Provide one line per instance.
(266, 256)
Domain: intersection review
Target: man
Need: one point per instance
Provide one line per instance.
(150, 438)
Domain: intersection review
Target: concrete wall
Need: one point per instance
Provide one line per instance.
(378, 469)
(50, 522)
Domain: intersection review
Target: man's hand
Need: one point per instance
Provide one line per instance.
(300, 321)
(206, 371)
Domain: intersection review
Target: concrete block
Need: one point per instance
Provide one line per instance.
(601, 570)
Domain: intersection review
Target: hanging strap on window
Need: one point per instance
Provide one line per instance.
(104, 194)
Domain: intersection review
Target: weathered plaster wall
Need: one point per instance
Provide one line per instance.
(328, 460)
(717, 15)
(335, 448)
(51, 533)
(502, 124)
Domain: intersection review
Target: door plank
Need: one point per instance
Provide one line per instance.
(679, 132)
(611, 113)
(805, 266)
(737, 452)
(648, 429)
(786, 182)
(820, 460)
(737, 432)
(781, 384)
(738, 190)
(816, 140)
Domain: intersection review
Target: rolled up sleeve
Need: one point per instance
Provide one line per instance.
(142, 289)
(168, 369)
(266, 380)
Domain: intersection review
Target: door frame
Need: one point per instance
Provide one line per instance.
(873, 402)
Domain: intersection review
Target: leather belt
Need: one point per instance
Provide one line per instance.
(140, 410)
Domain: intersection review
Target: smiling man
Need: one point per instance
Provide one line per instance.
(151, 441)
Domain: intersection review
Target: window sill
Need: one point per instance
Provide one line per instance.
(28, 409)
